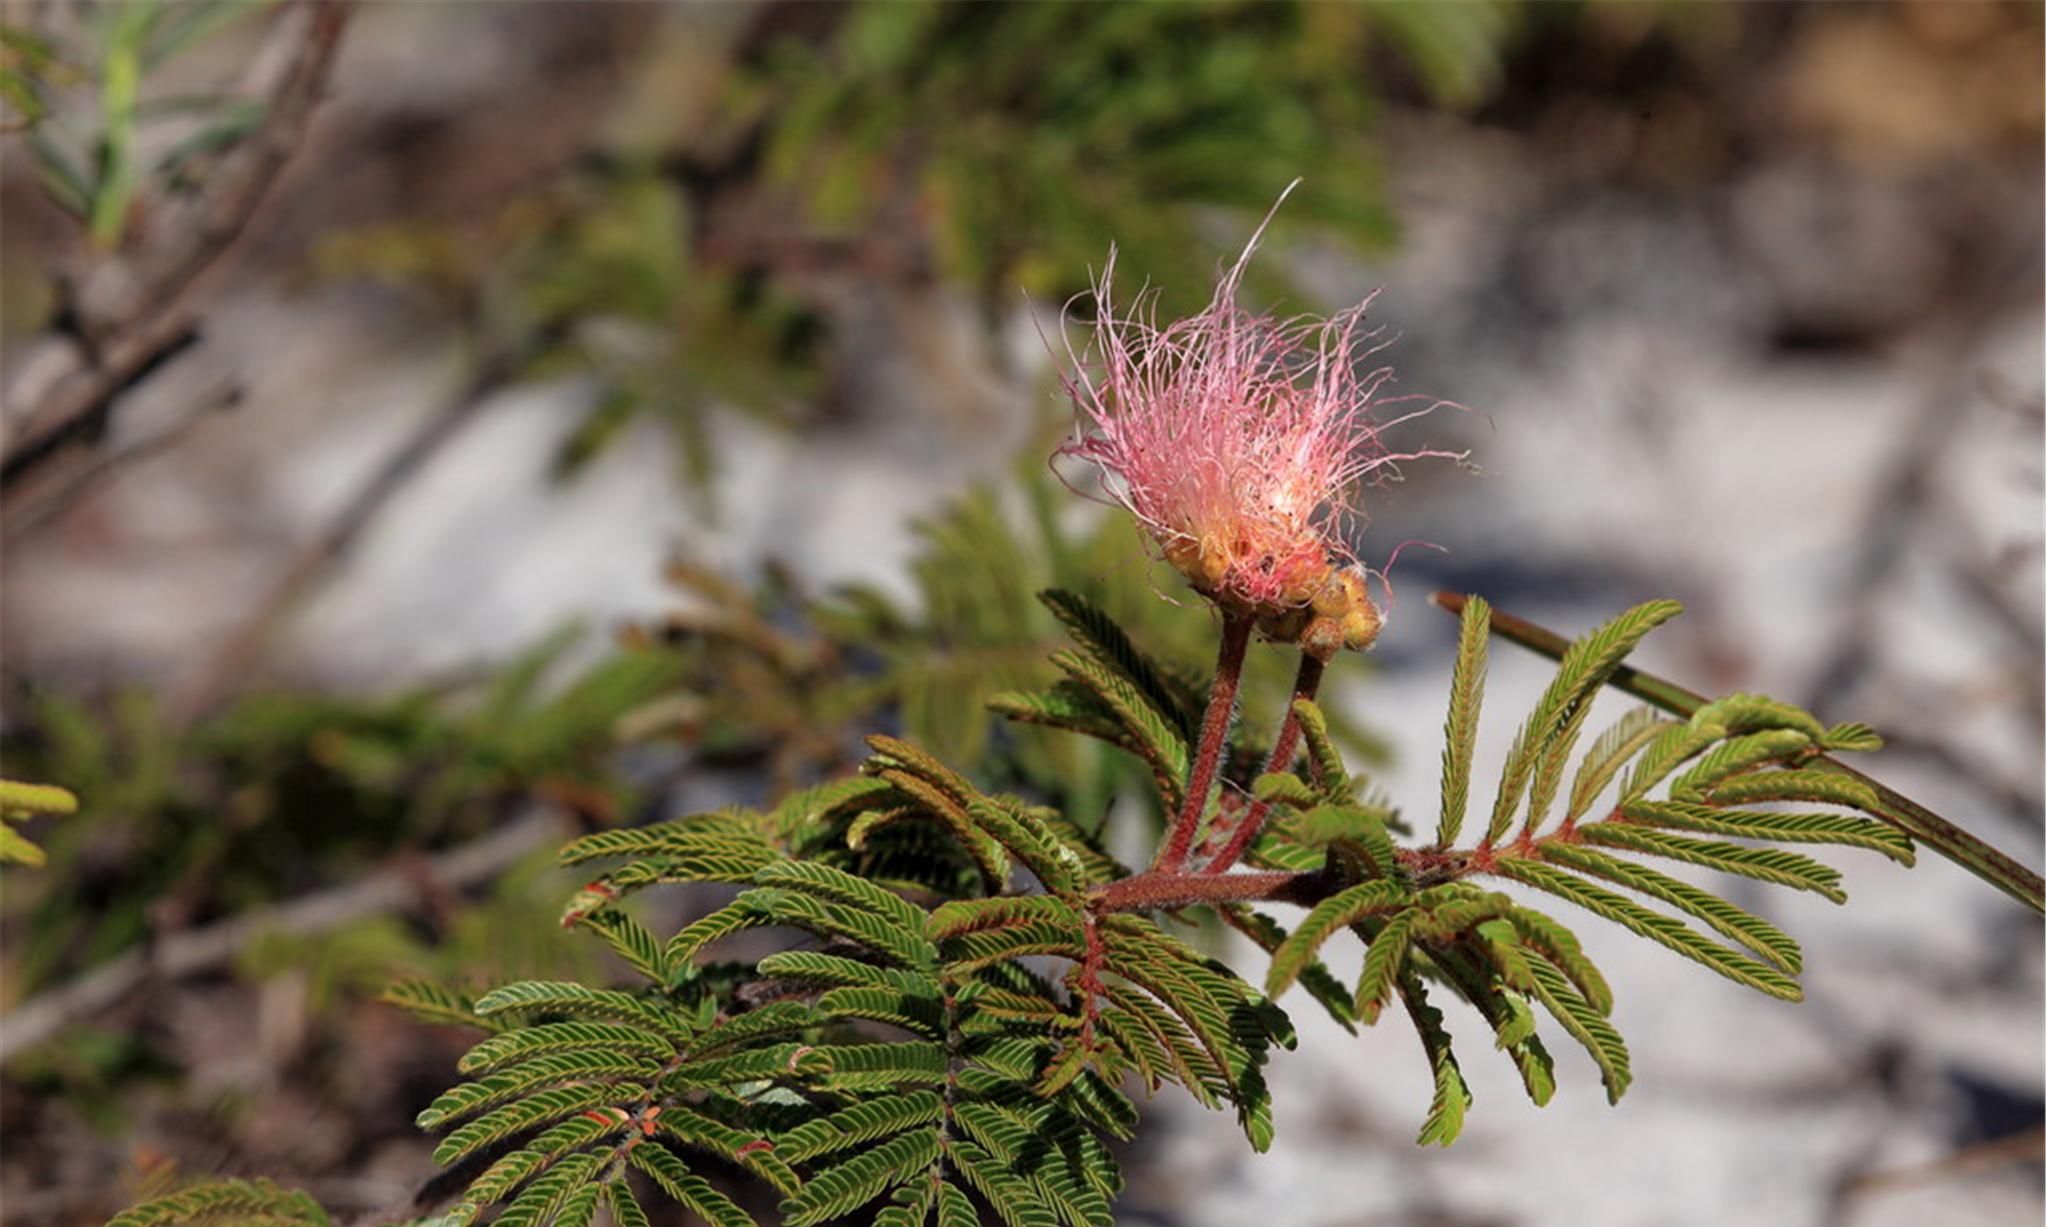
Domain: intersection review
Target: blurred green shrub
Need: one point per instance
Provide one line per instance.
(283, 793)
(1026, 132)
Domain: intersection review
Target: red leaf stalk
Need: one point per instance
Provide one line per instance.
(1306, 684)
(1215, 724)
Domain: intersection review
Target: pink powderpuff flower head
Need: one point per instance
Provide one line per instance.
(1239, 441)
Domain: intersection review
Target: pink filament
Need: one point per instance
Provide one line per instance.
(1239, 435)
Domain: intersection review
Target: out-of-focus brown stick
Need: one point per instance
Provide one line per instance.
(134, 306)
(238, 654)
(2025, 1146)
(197, 950)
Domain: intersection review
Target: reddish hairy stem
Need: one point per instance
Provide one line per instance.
(1306, 684)
(1158, 891)
(1215, 724)
(1090, 978)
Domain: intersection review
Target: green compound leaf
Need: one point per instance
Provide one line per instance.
(1776, 865)
(1331, 777)
(695, 1193)
(1559, 946)
(549, 1193)
(1014, 1201)
(1068, 706)
(747, 1148)
(1588, 1026)
(840, 972)
(1854, 735)
(1806, 784)
(1659, 928)
(862, 1122)
(437, 1003)
(1549, 731)
(1758, 935)
(1626, 738)
(1669, 749)
(1323, 922)
(225, 1203)
(568, 997)
(558, 1068)
(1320, 983)
(847, 1185)
(1285, 788)
(1788, 828)
(508, 1173)
(1109, 646)
(1384, 960)
(1737, 755)
(1154, 734)
(549, 1107)
(1747, 713)
(698, 849)
(735, 917)
(547, 1038)
(1452, 1097)
(1460, 731)
(837, 886)
(625, 1210)
(630, 940)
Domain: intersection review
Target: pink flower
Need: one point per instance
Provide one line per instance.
(1238, 441)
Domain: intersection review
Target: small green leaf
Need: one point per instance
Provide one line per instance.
(1460, 731)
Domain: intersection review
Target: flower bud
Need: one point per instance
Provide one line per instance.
(1322, 639)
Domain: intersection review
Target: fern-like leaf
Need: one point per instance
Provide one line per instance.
(1331, 777)
(1326, 919)
(1788, 828)
(851, 1183)
(1384, 960)
(695, 1193)
(1156, 735)
(1659, 928)
(1110, 646)
(1546, 736)
(1588, 1026)
(226, 1203)
(1602, 763)
(1460, 731)
(1452, 1097)
(1758, 935)
(1777, 865)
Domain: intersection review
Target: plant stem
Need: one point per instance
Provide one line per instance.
(1928, 828)
(1089, 984)
(1215, 722)
(1306, 684)
(1158, 891)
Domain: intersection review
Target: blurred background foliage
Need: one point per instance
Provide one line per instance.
(696, 212)
(985, 148)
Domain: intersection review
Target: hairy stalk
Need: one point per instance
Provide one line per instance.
(1306, 684)
(1095, 957)
(1899, 811)
(1160, 891)
(1215, 724)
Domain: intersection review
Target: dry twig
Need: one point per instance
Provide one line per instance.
(134, 307)
(197, 950)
